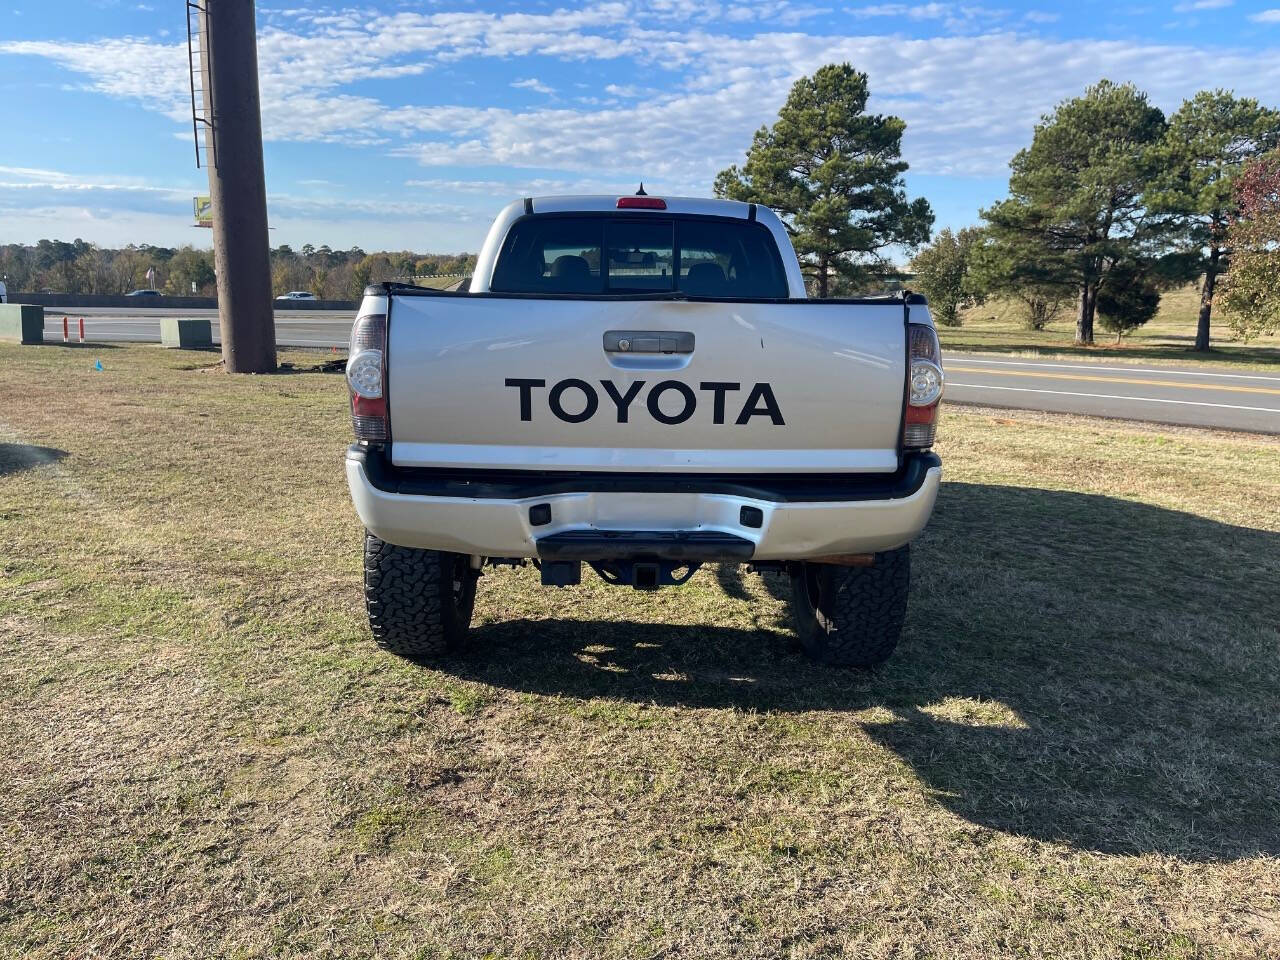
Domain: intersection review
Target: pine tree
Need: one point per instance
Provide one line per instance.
(1210, 139)
(1076, 205)
(833, 173)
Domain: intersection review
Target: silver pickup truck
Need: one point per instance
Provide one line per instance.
(639, 384)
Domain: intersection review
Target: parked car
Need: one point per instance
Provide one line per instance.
(639, 384)
(143, 293)
(296, 295)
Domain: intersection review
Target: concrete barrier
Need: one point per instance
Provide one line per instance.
(22, 322)
(71, 301)
(186, 333)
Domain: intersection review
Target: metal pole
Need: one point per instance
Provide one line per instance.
(237, 184)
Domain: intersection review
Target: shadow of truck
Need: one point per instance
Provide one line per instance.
(1130, 649)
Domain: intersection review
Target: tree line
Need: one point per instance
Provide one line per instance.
(59, 266)
(1112, 204)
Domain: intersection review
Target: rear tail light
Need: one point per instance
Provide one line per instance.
(367, 377)
(641, 203)
(924, 392)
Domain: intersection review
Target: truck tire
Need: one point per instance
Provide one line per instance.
(419, 601)
(852, 616)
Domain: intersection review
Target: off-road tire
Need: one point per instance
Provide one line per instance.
(419, 601)
(851, 616)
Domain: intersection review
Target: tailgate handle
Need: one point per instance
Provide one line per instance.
(648, 341)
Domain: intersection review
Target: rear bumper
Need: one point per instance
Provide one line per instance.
(792, 518)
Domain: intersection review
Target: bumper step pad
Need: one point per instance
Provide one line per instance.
(692, 546)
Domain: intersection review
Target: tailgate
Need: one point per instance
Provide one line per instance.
(636, 385)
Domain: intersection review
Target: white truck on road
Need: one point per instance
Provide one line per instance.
(640, 384)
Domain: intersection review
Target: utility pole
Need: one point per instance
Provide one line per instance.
(237, 183)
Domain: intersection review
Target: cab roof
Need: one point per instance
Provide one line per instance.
(604, 203)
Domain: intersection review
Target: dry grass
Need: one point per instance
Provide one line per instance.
(438, 283)
(1075, 753)
(996, 327)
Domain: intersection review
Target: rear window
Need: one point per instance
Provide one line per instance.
(702, 257)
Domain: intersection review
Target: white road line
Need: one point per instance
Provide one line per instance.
(1109, 396)
(1033, 364)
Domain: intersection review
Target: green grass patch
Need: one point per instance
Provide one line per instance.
(997, 327)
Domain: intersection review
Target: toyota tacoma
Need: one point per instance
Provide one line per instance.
(639, 384)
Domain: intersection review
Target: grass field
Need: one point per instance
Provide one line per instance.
(1075, 752)
(438, 283)
(996, 327)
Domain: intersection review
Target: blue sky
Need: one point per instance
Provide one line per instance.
(408, 124)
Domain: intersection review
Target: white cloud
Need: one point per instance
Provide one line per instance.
(117, 210)
(1266, 16)
(744, 11)
(291, 205)
(1041, 16)
(57, 181)
(969, 103)
(129, 67)
(968, 107)
(26, 222)
(958, 18)
(534, 84)
(117, 226)
(1203, 5)
(923, 11)
(535, 187)
(103, 208)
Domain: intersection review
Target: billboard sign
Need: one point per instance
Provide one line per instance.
(204, 211)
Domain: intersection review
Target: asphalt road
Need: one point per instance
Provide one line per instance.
(1183, 395)
(1188, 396)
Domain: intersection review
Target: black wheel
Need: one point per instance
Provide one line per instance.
(851, 616)
(419, 601)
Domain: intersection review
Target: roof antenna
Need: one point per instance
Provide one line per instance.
(640, 192)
